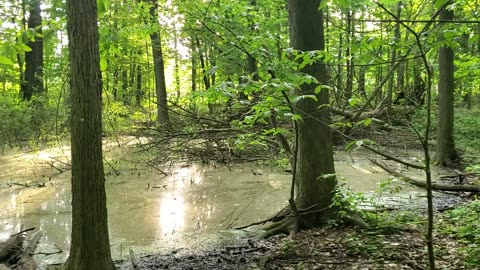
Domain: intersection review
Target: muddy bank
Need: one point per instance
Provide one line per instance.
(322, 248)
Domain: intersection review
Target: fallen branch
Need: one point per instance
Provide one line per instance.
(26, 261)
(133, 260)
(12, 246)
(419, 183)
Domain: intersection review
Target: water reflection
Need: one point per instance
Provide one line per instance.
(171, 214)
(148, 211)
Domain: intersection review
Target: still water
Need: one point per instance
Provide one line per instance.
(193, 207)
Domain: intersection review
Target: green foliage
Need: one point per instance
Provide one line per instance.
(30, 122)
(463, 224)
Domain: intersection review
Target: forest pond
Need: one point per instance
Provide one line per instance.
(192, 207)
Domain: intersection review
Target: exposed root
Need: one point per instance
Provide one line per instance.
(285, 226)
(354, 219)
(289, 224)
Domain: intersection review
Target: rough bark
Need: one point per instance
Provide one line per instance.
(90, 248)
(159, 67)
(315, 180)
(446, 153)
(34, 59)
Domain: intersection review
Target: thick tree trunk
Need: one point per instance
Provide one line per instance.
(315, 179)
(90, 247)
(34, 58)
(158, 66)
(446, 153)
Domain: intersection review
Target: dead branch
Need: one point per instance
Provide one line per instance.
(419, 183)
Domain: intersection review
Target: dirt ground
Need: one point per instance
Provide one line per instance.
(322, 248)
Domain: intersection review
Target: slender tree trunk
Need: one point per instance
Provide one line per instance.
(446, 153)
(139, 90)
(131, 82)
(115, 84)
(393, 61)
(90, 248)
(315, 179)
(206, 78)
(34, 58)
(158, 66)
(194, 66)
(339, 86)
(348, 54)
(176, 68)
(125, 95)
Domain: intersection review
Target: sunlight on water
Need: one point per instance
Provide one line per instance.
(172, 214)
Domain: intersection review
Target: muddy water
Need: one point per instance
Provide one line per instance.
(190, 208)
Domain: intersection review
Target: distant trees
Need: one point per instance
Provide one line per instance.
(90, 247)
(33, 81)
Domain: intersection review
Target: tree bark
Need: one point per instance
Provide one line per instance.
(315, 179)
(158, 66)
(34, 58)
(446, 153)
(90, 248)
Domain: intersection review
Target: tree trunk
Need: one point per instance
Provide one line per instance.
(446, 152)
(348, 54)
(194, 66)
(34, 58)
(139, 91)
(315, 179)
(90, 248)
(125, 95)
(393, 60)
(176, 68)
(158, 66)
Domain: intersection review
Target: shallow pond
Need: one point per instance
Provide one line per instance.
(193, 207)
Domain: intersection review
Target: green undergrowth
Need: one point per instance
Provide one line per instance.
(466, 126)
(463, 223)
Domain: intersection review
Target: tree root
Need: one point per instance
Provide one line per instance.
(289, 225)
(285, 226)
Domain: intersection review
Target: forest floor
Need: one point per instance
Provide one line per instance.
(321, 248)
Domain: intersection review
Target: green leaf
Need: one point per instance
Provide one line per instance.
(23, 48)
(298, 98)
(5, 60)
(350, 145)
(367, 122)
(101, 7)
(440, 3)
(103, 63)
